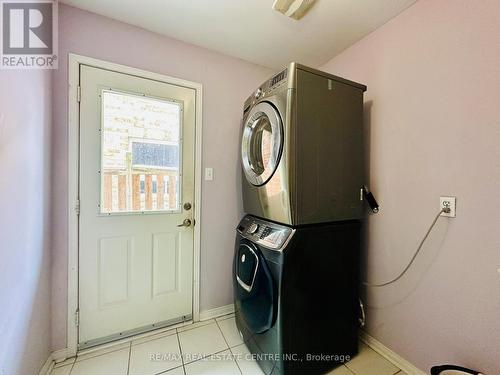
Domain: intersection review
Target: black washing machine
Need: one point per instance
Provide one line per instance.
(296, 294)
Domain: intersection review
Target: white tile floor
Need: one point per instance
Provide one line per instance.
(213, 347)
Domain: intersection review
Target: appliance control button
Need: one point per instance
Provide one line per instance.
(258, 93)
(266, 232)
(253, 228)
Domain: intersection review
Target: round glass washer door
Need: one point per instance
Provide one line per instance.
(262, 143)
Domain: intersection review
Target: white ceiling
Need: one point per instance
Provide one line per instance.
(251, 29)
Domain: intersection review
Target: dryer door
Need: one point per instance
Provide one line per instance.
(254, 288)
(262, 143)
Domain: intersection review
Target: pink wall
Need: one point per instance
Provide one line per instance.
(25, 120)
(226, 84)
(432, 109)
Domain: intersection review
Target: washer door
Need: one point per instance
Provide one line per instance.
(254, 286)
(262, 143)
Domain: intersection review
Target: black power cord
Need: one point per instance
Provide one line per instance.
(445, 210)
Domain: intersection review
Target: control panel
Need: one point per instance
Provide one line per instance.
(266, 89)
(264, 233)
(278, 78)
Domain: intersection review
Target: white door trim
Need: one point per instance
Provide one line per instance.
(74, 63)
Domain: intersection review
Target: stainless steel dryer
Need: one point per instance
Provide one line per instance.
(302, 148)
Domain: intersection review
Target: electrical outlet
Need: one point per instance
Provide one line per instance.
(209, 174)
(448, 202)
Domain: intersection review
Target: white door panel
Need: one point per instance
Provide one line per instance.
(136, 172)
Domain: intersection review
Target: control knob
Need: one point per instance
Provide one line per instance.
(253, 228)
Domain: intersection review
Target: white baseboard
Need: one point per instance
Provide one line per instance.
(47, 366)
(54, 357)
(391, 356)
(215, 313)
(61, 355)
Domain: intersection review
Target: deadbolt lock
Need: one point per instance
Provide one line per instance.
(187, 206)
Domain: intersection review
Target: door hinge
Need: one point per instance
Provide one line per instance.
(78, 93)
(77, 318)
(77, 206)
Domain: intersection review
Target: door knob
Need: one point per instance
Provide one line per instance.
(185, 223)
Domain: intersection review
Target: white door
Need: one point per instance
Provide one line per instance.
(136, 187)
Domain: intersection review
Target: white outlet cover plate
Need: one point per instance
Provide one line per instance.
(209, 174)
(451, 203)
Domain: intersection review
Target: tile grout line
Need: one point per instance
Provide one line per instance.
(237, 364)
(176, 367)
(224, 337)
(180, 350)
(379, 356)
(170, 369)
(100, 355)
(60, 364)
(129, 355)
(224, 317)
(72, 366)
(121, 346)
(207, 356)
(190, 327)
(230, 351)
(157, 336)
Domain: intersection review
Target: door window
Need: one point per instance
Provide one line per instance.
(140, 153)
(262, 143)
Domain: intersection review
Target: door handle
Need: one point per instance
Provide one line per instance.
(185, 223)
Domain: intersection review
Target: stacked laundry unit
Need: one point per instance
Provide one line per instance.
(296, 263)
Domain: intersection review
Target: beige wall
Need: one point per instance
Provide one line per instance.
(226, 84)
(433, 128)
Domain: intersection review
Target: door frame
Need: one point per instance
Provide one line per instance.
(74, 62)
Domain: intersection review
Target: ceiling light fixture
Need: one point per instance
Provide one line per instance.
(295, 9)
